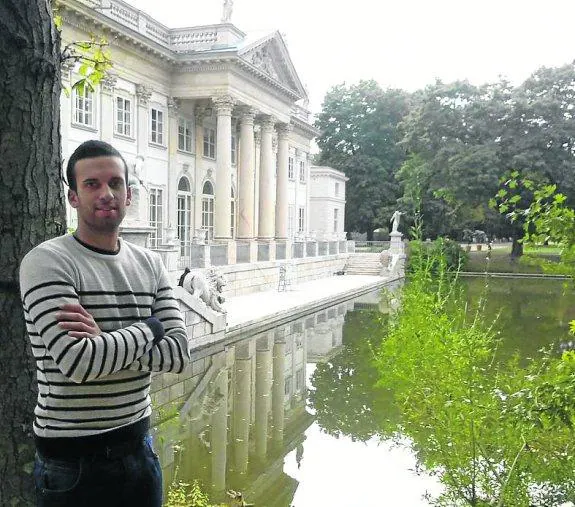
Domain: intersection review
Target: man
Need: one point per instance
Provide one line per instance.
(101, 316)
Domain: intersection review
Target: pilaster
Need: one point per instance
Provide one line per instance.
(281, 209)
(107, 85)
(173, 111)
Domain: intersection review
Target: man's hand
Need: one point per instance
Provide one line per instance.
(78, 321)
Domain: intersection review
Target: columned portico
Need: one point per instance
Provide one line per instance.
(281, 210)
(266, 201)
(223, 191)
(246, 175)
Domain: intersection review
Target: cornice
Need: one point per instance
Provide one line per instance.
(316, 171)
(304, 128)
(88, 20)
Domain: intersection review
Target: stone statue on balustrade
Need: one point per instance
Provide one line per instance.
(395, 220)
(136, 180)
(205, 284)
(227, 11)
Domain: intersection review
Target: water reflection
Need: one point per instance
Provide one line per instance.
(246, 406)
(292, 416)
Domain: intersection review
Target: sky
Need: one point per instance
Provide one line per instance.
(402, 43)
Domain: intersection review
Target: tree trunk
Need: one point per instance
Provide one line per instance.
(369, 233)
(31, 211)
(516, 249)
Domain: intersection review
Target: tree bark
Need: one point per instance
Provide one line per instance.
(31, 211)
(516, 248)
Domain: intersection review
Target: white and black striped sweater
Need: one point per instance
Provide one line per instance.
(87, 386)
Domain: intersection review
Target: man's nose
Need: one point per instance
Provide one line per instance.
(106, 193)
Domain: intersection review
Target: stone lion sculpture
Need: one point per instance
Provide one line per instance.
(206, 285)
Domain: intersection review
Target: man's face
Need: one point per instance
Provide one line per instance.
(101, 195)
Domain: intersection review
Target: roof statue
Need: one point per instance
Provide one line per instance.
(227, 11)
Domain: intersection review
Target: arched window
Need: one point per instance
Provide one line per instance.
(184, 216)
(233, 216)
(208, 209)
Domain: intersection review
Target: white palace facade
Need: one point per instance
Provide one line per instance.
(214, 129)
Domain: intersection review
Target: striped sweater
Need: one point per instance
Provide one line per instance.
(91, 385)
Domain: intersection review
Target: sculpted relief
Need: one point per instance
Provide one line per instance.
(262, 59)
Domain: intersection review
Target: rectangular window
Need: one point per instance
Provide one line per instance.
(336, 189)
(234, 149)
(291, 221)
(302, 171)
(290, 168)
(84, 107)
(185, 135)
(335, 220)
(301, 220)
(288, 385)
(123, 116)
(156, 217)
(208, 216)
(209, 142)
(157, 126)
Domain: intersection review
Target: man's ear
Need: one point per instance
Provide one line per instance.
(128, 195)
(73, 198)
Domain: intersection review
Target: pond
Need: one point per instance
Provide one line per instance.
(290, 417)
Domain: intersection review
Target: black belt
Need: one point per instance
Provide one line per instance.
(110, 445)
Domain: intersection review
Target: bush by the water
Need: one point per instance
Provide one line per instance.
(434, 253)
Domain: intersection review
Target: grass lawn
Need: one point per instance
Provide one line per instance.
(501, 261)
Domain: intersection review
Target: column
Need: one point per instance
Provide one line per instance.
(246, 175)
(278, 391)
(266, 206)
(263, 392)
(219, 435)
(107, 108)
(200, 114)
(242, 405)
(223, 190)
(282, 182)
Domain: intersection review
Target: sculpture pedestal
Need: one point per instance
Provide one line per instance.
(396, 245)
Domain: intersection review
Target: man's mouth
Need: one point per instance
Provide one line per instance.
(106, 212)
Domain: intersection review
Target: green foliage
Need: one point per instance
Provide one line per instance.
(443, 254)
(544, 216)
(182, 494)
(495, 432)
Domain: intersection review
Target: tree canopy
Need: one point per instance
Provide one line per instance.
(442, 151)
(360, 136)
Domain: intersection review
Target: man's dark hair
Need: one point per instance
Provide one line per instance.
(91, 149)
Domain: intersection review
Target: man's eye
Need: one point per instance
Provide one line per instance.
(91, 184)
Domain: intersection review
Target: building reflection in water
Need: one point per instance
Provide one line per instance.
(244, 408)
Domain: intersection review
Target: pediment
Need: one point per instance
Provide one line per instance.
(270, 55)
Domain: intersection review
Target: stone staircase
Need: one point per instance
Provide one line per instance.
(366, 264)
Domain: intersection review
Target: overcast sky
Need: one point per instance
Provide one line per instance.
(403, 43)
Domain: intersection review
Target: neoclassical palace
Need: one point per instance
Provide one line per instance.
(214, 128)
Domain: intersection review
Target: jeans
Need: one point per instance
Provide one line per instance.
(134, 479)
